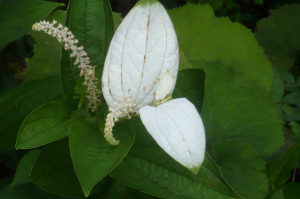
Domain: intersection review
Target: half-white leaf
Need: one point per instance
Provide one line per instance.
(177, 128)
(143, 48)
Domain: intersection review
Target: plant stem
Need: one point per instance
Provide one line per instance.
(294, 175)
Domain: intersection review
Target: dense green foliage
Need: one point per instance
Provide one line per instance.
(239, 66)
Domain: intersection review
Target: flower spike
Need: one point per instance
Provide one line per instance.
(62, 34)
(121, 109)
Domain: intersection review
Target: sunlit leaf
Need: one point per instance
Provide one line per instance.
(202, 36)
(279, 35)
(242, 168)
(238, 109)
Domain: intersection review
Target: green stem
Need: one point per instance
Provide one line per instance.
(294, 175)
(82, 98)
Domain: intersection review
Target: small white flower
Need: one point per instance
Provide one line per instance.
(165, 86)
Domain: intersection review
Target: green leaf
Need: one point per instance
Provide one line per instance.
(27, 191)
(119, 191)
(242, 168)
(24, 168)
(7, 81)
(229, 3)
(277, 195)
(238, 109)
(279, 35)
(53, 170)
(291, 190)
(16, 20)
(261, 2)
(117, 20)
(292, 98)
(295, 132)
(190, 85)
(215, 4)
(183, 62)
(5, 181)
(279, 171)
(149, 169)
(69, 77)
(47, 52)
(277, 89)
(217, 38)
(79, 87)
(288, 78)
(47, 123)
(290, 113)
(93, 158)
(17, 103)
(92, 24)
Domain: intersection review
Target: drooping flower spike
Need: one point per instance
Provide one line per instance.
(70, 43)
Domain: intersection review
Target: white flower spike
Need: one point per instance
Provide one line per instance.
(143, 48)
(63, 34)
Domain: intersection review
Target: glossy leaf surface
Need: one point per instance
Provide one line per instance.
(48, 123)
(148, 168)
(24, 168)
(93, 158)
(17, 103)
(53, 170)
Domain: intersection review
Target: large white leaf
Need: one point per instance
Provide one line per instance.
(143, 48)
(177, 128)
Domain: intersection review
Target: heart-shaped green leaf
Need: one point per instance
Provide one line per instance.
(92, 156)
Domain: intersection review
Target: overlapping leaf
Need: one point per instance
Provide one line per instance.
(92, 24)
(53, 170)
(17, 103)
(279, 171)
(47, 52)
(24, 168)
(148, 168)
(16, 20)
(92, 156)
(48, 123)
(190, 84)
(237, 109)
(242, 168)
(119, 191)
(279, 35)
(202, 36)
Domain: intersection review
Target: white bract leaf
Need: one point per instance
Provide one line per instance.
(165, 86)
(143, 48)
(177, 128)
